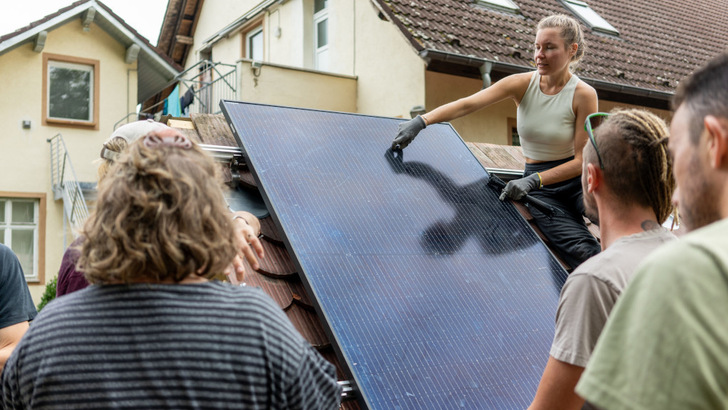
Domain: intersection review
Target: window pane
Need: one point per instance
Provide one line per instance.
(322, 38)
(69, 93)
(322, 59)
(319, 5)
(255, 46)
(2, 236)
(2, 211)
(23, 212)
(22, 245)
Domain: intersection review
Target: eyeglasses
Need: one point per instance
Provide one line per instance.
(591, 123)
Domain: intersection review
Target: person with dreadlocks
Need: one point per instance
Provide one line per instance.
(628, 185)
(665, 346)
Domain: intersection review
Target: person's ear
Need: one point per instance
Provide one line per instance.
(593, 177)
(716, 132)
(574, 48)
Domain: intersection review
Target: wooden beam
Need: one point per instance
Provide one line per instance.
(184, 39)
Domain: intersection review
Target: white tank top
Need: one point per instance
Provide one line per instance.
(546, 122)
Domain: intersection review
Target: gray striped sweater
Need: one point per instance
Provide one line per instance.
(193, 346)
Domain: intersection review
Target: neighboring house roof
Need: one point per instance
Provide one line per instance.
(659, 42)
(155, 69)
(178, 29)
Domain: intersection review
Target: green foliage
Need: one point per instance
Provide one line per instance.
(49, 294)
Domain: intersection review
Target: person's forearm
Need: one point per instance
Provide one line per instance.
(9, 338)
(5, 353)
(561, 172)
(448, 112)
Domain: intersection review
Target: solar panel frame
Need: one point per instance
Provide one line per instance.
(387, 393)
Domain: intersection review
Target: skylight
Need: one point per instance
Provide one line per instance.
(590, 17)
(504, 5)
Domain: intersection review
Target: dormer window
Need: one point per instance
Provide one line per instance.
(590, 17)
(502, 5)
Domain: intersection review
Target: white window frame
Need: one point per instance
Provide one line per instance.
(502, 5)
(9, 226)
(590, 17)
(249, 36)
(321, 54)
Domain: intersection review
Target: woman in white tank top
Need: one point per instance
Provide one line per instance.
(552, 106)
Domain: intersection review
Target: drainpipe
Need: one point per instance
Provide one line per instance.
(485, 73)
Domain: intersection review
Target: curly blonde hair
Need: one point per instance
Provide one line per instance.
(160, 216)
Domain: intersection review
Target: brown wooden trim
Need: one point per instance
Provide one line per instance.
(97, 92)
(41, 197)
(247, 28)
(512, 123)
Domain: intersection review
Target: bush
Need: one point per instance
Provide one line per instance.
(49, 294)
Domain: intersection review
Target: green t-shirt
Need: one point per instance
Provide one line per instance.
(665, 346)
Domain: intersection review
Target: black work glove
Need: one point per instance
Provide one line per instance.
(407, 132)
(518, 188)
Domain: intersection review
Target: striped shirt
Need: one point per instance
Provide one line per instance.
(191, 346)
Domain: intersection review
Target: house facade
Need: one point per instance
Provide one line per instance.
(71, 78)
(397, 57)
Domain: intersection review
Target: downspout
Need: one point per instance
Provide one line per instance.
(485, 69)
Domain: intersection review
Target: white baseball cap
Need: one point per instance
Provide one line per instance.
(130, 132)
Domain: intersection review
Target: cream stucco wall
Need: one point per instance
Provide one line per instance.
(487, 125)
(391, 74)
(281, 85)
(24, 158)
(606, 106)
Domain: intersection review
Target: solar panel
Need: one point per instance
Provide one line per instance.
(435, 293)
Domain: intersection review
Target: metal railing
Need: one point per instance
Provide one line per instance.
(66, 185)
(205, 82)
(208, 83)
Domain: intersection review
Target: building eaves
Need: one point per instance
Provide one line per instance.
(178, 29)
(658, 44)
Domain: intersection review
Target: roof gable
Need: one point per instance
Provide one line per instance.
(658, 44)
(155, 68)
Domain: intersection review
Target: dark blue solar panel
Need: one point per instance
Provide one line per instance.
(436, 294)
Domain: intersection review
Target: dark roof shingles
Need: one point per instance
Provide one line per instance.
(659, 42)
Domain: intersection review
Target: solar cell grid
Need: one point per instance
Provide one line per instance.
(435, 293)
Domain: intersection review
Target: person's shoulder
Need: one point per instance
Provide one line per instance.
(584, 90)
(677, 261)
(6, 252)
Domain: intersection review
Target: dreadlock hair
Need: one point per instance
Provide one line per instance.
(637, 164)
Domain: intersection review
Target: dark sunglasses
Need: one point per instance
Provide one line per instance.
(591, 123)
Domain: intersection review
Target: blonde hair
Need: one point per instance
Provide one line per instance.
(160, 216)
(117, 145)
(570, 31)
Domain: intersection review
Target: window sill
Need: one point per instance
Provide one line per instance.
(71, 123)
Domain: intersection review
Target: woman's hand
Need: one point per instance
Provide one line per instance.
(407, 132)
(247, 229)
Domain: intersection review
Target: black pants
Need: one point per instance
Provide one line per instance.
(565, 229)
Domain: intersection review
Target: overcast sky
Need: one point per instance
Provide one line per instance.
(145, 16)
